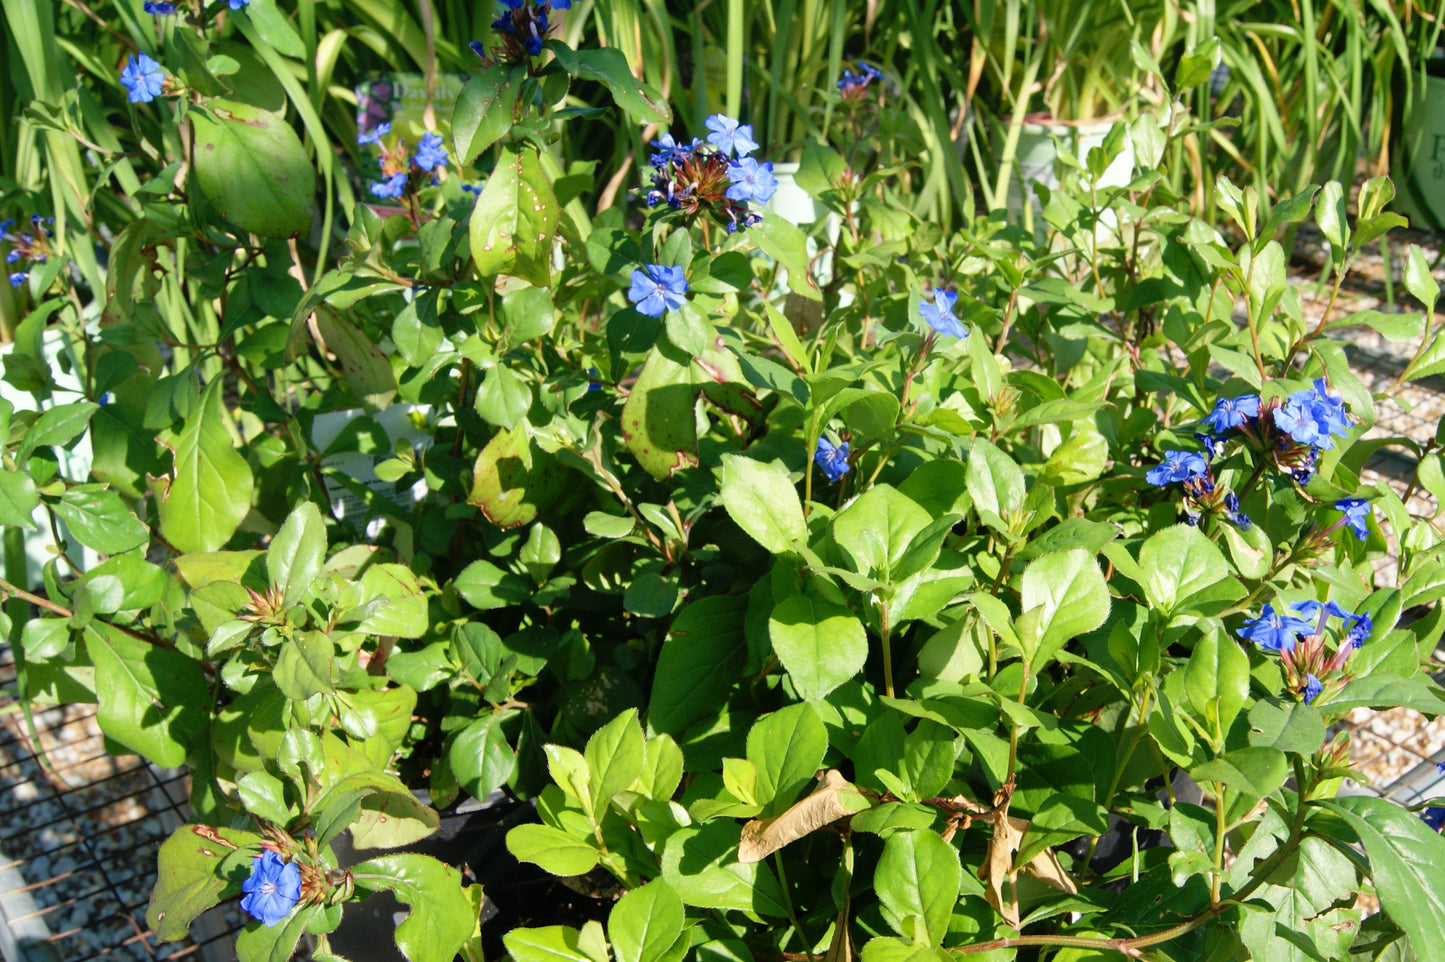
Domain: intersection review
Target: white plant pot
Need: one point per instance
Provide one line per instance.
(1038, 150)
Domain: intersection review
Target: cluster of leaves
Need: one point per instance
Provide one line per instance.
(950, 695)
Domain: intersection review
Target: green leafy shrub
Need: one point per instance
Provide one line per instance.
(864, 589)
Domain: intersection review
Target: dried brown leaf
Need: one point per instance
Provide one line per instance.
(834, 798)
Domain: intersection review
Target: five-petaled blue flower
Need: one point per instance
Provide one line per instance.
(939, 315)
(657, 289)
(1311, 688)
(393, 186)
(1231, 412)
(751, 180)
(833, 460)
(1357, 512)
(1177, 466)
(1275, 631)
(430, 154)
(143, 77)
(729, 136)
(1312, 417)
(273, 888)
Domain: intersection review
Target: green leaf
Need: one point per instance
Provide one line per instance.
(211, 487)
(552, 943)
(787, 746)
(1255, 772)
(1068, 590)
(512, 480)
(442, 917)
(297, 552)
(275, 943)
(1419, 281)
(306, 666)
(275, 29)
(1183, 568)
(366, 367)
(1196, 65)
(264, 794)
(480, 757)
(700, 864)
(515, 218)
(1405, 859)
(18, 499)
(551, 848)
(698, 665)
(404, 613)
(1216, 680)
(762, 500)
(918, 880)
(56, 426)
(484, 110)
(253, 169)
(658, 422)
(994, 479)
(645, 923)
(186, 881)
(614, 759)
(1286, 724)
(503, 398)
(820, 644)
(608, 66)
(152, 700)
(100, 520)
(877, 528)
(788, 245)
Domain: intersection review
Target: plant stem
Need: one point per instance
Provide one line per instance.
(887, 648)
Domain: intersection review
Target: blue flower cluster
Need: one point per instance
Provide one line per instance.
(833, 460)
(143, 78)
(1191, 470)
(1298, 635)
(853, 85)
(272, 890)
(939, 315)
(397, 165)
(1281, 631)
(523, 27)
(25, 248)
(1313, 417)
(657, 289)
(715, 174)
(162, 8)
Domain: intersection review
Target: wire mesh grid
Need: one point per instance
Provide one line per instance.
(78, 842)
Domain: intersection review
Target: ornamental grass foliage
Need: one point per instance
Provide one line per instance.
(849, 589)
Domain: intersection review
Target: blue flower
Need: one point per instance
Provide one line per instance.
(1231, 412)
(478, 48)
(657, 289)
(1177, 466)
(374, 137)
(238, 4)
(143, 77)
(1311, 688)
(854, 83)
(157, 8)
(18, 278)
(1212, 445)
(273, 888)
(729, 136)
(1310, 612)
(1434, 817)
(1356, 511)
(751, 180)
(832, 460)
(1236, 517)
(1360, 631)
(393, 186)
(1275, 631)
(561, 4)
(1312, 417)
(939, 315)
(430, 153)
